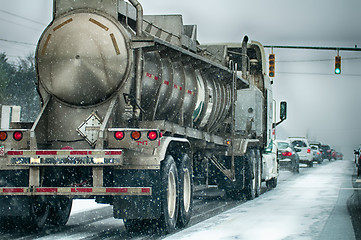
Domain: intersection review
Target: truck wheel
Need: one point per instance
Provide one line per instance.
(38, 214)
(169, 195)
(59, 211)
(251, 175)
(272, 183)
(185, 191)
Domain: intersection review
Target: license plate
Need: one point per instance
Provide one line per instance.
(2, 151)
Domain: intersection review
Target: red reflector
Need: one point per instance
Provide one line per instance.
(308, 150)
(18, 136)
(46, 152)
(3, 136)
(46, 190)
(81, 190)
(113, 152)
(13, 190)
(15, 152)
(152, 135)
(119, 135)
(80, 152)
(110, 190)
(145, 190)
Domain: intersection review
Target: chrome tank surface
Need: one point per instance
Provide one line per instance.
(83, 58)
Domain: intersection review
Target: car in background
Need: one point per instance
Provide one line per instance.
(317, 155)
(339, 156)
(326, 152)
(303, 150)
(287, 156)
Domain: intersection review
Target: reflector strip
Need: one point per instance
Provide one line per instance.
(62, 24)
(81, 190)
(45, 44)
(115, 43)
(46, 153)
(13, 190)
(15, 152)
(113, 152)
(47, 190)
(145, 190)
(116, 190)
(74, 191)
(99, 24)
(80, 153)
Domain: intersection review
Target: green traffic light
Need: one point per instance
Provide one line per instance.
(337, 71)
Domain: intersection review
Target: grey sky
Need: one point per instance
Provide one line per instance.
(322, 105)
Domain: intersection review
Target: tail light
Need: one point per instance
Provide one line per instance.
(119, 135)
(152, 135)
(3, 136)
(135, 135)
(287, 154)
(18, 136)
(308, 150)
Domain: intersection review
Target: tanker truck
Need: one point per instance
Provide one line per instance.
(137, 114)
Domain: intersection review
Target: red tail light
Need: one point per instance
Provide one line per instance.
(3, 136)
(18, 136)
(308, 150)
(287, 154)
(152, 135)
(136, 135)
(119, 135)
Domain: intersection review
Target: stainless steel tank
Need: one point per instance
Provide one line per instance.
(83, 58)
(176, 91)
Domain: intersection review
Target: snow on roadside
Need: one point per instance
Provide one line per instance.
(82, 205)
(297, 209)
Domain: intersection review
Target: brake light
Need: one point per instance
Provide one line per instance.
(308, 150)
(135, 135)
(18, 136)
(152, 135)
(3, 136)
(287, 154)
(119, 135)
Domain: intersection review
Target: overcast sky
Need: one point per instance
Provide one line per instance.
(321, 105)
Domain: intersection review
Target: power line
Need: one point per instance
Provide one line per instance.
(317, 48)
(319, 60)
(11, 41)
(320, 74)
(28, 19)
(5, 20)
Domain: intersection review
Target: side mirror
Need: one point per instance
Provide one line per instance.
(283, 110)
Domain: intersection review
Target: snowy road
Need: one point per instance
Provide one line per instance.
(310, 205)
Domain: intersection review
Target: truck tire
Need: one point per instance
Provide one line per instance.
(169, 195)
(38, 214)
(272, 183)
(185, 191)
(59, 211)
(251, 176)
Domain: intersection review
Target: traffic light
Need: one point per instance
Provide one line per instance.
(337, 64)
(271, 65)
